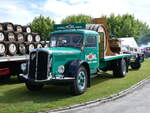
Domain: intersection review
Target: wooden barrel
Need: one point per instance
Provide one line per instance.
(28, 37)
(3, 49)
(19, 37)
(8, 26)
(46, 44)
(39, 45)
(30, 47)
(12, 48)
(22, 48)
(18, 28)
(36, 37)
(1, 27)
(10, 36)
(27, 29)
(2, 37)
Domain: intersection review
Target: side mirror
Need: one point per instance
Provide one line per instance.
(82, 48)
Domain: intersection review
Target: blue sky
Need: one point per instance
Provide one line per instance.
(23, 11)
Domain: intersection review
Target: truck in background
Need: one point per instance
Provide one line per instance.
(16, 42)
(129, 45)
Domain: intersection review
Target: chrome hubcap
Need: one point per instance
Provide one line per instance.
(81, 80)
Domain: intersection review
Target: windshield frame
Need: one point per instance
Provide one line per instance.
(78, 47)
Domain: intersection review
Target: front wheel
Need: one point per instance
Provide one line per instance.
(34, 87)
(80, 83)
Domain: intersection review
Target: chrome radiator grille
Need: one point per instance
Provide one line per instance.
(38, 65)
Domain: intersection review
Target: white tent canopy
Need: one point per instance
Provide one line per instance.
(128, 41)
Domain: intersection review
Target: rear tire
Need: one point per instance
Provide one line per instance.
(120, 68)
(80, 83)
(135, 65)
(34, 87)
(5, 77)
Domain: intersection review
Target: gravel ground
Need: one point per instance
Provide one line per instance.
(135, 102)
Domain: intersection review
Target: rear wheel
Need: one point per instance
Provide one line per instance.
(119, 68)
(80, 83)
(34, 87)
(5, 77)
(135, 65)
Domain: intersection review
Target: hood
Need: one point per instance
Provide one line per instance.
(61, 50)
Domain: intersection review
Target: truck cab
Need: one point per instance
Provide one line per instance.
(72, 57)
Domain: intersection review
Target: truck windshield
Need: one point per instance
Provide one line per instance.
(66, 40)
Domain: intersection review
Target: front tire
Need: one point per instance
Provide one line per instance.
(34, 87)
(80, 83)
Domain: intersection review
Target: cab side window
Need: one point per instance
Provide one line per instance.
(91, 41)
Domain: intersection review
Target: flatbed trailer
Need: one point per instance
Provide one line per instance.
(10, 65)
(4, 59)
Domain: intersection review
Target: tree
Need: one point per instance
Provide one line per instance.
(81, 18)
(145, 39)
(126, 26)
(43, 26)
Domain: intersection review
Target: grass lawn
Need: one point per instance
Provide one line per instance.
(15, 98)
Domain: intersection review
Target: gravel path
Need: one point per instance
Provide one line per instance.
(135, 102)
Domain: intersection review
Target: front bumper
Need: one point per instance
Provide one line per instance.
(47, 81)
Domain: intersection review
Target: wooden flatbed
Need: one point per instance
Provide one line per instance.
(14, 58)
(108, 58)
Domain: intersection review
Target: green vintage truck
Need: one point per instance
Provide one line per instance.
(76, 53)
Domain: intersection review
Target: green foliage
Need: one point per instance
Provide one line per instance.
(126, 26)
(120, 26)
(145, 39)
(77, 19)
(43, 26)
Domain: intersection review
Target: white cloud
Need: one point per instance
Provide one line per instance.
(96, 8)
(13, 12)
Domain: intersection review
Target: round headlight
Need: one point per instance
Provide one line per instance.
(23, 66)
(61, 69)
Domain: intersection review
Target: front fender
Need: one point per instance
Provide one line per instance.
(74, 66)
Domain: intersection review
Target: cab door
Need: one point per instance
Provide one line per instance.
(91, 52)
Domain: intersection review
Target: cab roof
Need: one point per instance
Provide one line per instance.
(82, 31)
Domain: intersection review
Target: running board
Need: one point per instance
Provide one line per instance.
(93, 76)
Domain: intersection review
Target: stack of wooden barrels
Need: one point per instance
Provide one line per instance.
(18, 40)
